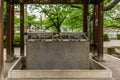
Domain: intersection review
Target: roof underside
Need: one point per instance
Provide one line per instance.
(53, 1)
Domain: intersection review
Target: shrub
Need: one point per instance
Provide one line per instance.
(105, 37)
(17, 39)
(4, 41)
(118, 36)
(4, 38)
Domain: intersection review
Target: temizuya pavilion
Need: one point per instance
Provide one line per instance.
(97, 24)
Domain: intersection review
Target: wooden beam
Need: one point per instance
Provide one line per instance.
(22, 29)
(85, 16)
(53, 1)
(1, 39)
(48, 1)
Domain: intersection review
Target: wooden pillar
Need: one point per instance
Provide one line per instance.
(22, 29)
(1, 39)
(9, 32)
(12, 26)
(98, 30)
(85, 16)
(95, 30)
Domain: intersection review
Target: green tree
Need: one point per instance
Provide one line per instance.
(56, 14)
(4, 17)
(109, 4)
(17, 22)
(74, 20)
(70, 16)
(30, 20)
(112, 14)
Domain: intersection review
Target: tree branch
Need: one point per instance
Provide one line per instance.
(117, 18)
(48, 27)
(105, 8)
(76, 7)
(43, 10)
(62, 20)
(111, 5)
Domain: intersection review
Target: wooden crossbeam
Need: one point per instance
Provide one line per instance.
(52, 1)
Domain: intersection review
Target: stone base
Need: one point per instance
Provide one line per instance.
(61, 79)
(9, 60)
(97, 59)
(97, 71)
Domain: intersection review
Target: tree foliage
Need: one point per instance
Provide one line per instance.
(30, 20)
(112, 16)
(110, 4)
(58, 17)
(74, 21)
(4, 18)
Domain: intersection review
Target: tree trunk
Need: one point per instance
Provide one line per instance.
(58, 29)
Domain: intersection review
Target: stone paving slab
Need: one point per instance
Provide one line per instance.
(112, 43)
(113, 64)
